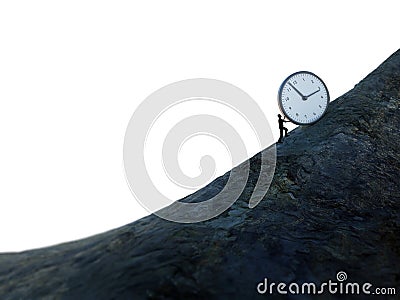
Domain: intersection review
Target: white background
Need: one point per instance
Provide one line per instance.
(72, 73)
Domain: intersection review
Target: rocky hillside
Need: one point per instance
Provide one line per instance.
(334, 205)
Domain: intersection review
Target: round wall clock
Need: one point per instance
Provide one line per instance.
(303, 98)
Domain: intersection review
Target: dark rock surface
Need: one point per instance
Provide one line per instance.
(334, 205)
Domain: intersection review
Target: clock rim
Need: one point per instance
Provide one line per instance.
(280, 100)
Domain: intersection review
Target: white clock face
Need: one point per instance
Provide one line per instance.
(303, 98)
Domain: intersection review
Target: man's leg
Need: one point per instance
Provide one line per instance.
(280, 135)
(286, 131)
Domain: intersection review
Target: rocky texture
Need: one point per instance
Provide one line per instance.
(333, 205)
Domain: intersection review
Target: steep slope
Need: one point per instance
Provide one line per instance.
(334, 205)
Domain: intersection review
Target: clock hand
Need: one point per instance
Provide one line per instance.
(313, 93)
(298, 92)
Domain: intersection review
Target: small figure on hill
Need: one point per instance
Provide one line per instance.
(282, 128)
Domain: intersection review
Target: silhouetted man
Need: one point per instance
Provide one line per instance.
(282, 128)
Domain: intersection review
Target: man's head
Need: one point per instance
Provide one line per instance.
(279, 116)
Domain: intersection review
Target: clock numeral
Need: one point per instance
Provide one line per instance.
(312, 81)
(289, 89)
(287, 99)
(294, 82)
(304, 79)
